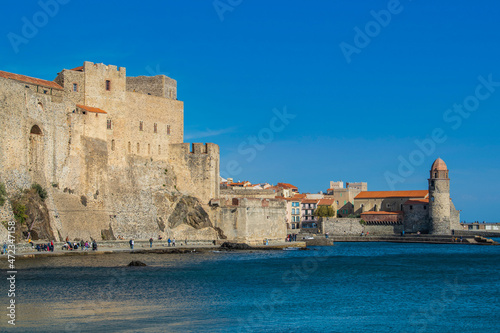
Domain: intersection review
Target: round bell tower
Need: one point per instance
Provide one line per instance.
(439, 198)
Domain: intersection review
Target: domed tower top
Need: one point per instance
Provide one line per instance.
(439, 169)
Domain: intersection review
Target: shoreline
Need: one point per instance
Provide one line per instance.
(143, 247)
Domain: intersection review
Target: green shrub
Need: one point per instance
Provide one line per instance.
(362, 222)
(3, 194)
(40, 190)
(20, 213)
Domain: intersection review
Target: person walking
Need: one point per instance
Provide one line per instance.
(131, 242)
(169, 241)
(151, 242)
(173, 241)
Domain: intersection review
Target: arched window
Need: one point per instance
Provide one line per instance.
(36, 130)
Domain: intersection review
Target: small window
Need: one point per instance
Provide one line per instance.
(435, 174)
(425, 207)
(149, 149)
(108, 85)
(168, 129)
(411, 207)
(155, 129)
(141, 126)
(129, 147)
(138, 148)
(113, 145)
(108, 124)
(159, 150)
(75, 86)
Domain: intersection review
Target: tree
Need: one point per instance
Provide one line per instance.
(324, 211)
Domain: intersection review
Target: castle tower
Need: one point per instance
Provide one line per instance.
(439, 198)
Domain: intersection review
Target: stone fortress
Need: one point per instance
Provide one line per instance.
(109, 151)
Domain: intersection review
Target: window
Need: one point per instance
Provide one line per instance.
(159, 150)
(411, 207)
(425, 207)
(138, 148)
(75, 86)
(149, 149)
(129, 147)
(435, 174)
(141, 125)
(108, 85)
(168, 129)
(112, 144)
(155, 128)
(108, 124)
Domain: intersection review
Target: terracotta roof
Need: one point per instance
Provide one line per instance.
(29, 79)
(326, 202)
(79, 68)
(382, 213)
(90, 109)
(310, 200)
(417, 202)
(439, 165)
(286, 185)
(392, 194)
(299, 196)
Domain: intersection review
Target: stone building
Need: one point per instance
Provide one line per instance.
(109, 150)
(344, 196)
(426, 211)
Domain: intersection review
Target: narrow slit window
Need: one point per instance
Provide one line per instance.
(108, 124)
(141, 126)
(155, 128)
(108, 85)
(75, 86)
(168, 129)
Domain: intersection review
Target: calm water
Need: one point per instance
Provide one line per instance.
(350, 287)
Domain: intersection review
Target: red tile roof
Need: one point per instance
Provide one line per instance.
(382, 213)
(417, 202)
(79, 69)
(287, 186)
(326, 202)
(299, 196)
(29, 79)
(392, 194)
(310, 200)
(90, 109)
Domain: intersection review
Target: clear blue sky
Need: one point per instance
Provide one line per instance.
(353, 121)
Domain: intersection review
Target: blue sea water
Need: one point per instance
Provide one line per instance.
(349, 287)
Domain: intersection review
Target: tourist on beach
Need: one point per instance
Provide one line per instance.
(173, 241)
(169, 241)
(131, 242)
(94, 245)
(151, 242)
(51, 246)
(4, 248)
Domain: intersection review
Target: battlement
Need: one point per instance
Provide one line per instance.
(195, 148)
(111, 69)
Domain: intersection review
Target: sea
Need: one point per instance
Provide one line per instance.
(348, 287)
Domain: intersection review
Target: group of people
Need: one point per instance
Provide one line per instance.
(291, 238)
(83, 245)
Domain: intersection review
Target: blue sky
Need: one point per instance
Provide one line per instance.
(352, 115)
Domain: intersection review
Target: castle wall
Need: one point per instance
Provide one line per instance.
(253, 220)
(416, 218)
(352, 227)
(160, 85)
